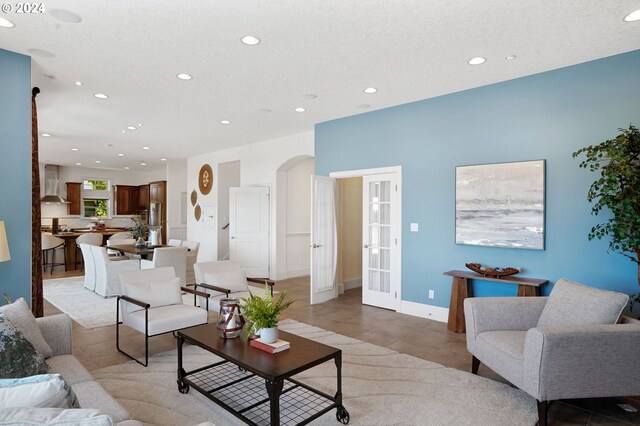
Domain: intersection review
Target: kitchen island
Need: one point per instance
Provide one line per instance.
(74, 256)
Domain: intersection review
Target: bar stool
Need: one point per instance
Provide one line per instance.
(91, 239)
(49, 246)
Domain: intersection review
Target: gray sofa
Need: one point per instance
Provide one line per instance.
(56, 330)
(569, 345)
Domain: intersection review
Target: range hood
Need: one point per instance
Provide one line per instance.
(52, 185)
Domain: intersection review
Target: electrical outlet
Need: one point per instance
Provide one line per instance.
(431, 294)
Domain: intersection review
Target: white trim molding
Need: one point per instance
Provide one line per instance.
(423, 310)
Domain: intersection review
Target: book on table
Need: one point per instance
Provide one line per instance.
(278, 346)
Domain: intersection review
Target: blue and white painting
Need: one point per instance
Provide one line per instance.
(501, 205)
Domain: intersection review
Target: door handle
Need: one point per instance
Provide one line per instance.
(369, 246)
(233, 238)
(316, 245)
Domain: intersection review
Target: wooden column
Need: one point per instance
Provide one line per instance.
(459, 292)
(37, 302)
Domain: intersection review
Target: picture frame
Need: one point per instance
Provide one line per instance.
(501, 205)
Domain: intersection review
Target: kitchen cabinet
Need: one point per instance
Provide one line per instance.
(143, 198)
(157, 192)
(127, 199)
(73, 197)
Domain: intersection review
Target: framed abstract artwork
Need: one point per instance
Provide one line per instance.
(501, 205)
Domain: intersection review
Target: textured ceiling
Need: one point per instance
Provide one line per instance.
(408, 49)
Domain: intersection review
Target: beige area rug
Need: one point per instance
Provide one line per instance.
(380, 387)
(87, 308)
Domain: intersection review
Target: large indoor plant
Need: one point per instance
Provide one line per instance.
(263, 313)
(139, 230)
(618, 190)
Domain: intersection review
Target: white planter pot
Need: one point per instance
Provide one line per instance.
(269, 335)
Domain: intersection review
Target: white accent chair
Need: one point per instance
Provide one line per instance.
(151, 303)
(569, 345)
(224, 278)
(94, 239)
(169, 256)
(107, 271)
(89, 267)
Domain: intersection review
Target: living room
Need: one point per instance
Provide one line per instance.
(496, 114)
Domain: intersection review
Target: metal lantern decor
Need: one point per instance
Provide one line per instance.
(230, 322)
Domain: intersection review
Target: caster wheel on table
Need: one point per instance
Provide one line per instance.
(183, 387)
(342, 415)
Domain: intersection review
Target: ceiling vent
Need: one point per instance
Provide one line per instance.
(52, 185)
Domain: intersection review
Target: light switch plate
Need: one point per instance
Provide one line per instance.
(415, 227)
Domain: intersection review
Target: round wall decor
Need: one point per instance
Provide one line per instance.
(197, 212)
(205, 179)
(194, 197)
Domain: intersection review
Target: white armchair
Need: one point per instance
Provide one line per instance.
(224, 278)
(169, 256)
(151, 303)
(569, 345)
(89, 267)
(107, 270)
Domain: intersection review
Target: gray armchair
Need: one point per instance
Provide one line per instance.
(569, 345)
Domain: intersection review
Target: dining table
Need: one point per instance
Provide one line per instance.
(143, 252)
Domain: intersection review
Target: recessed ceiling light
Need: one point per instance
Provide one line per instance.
(127, 167)
(78, 164)
(363, 106)
(120, 155)
(139, 124)
(184, 76)
(309, 96)
(98, 161)
(146, 148)
(132, 127)
(510, 57)
(143, 164)
(299, 109)
(477, 60)
(250, 40)
(633, 16)
(46, 135)
(78, 83)
(101, 96)
(225, 122)
(124, 131)
(370, 90)
(75, 149)
(6, 23)
(163, 159)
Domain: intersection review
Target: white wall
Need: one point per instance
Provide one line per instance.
(176, 196)
(258, 165)
(298, 217)
(228, 177)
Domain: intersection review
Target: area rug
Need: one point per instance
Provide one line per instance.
(380, 387)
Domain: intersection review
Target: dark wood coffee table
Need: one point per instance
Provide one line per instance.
(258, 387)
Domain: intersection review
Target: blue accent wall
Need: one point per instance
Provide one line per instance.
(545, 116)
(15, 172)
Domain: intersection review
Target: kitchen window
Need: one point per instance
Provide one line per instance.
(96, 198)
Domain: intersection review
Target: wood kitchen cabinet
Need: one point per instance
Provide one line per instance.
(143, 198)
(157, 191)
(127, 199)
(73, 197)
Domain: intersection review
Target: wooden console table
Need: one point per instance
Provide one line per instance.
(461, 290)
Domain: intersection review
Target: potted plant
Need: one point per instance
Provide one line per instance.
(618, 190)
(139, 230)
(262, 314)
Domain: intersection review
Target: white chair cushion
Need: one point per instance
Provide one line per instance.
(156, 293)
(54, 416)
(43, 390)
(234, 280)
(167, 318)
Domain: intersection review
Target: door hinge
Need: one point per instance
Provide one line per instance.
(396, 241)
(396, 296)
(396, 188)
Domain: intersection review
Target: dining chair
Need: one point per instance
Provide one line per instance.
(89, 267)
(49, 246)
(119, 238)
(169, 256)
(107, 270)
(94, 239)
(192, 258)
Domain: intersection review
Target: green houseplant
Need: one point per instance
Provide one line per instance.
(263, 312)
(139, 230)
(618, 190)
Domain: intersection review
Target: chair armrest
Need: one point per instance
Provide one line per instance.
(582, 361)
(501, 314)
(214, 288)
(196, 292)
(134, 301)
(269, 282)
(56, 330)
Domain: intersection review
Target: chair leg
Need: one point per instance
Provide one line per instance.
(64, 257)
(53, 259)
(146, 337)
(475, 364)
(542, 412)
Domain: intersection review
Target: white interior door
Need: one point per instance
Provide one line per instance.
(249, 229)
(380, 240)
(324, 239)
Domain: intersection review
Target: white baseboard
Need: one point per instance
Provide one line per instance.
(298, 272)
(423, 310)
(354, 283)
(279, 276)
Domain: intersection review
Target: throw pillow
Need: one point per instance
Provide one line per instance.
(235, 280)
(156, 293)
(45, 390)
(20, 315)
(54, 416)
(575, 304)
(18, 357)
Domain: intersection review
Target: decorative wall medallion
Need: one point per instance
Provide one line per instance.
(197, 213)
(205, 179)
(194, 197)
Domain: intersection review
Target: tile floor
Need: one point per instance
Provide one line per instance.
(347, 315)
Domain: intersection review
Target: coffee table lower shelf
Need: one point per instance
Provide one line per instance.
(244, 394)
